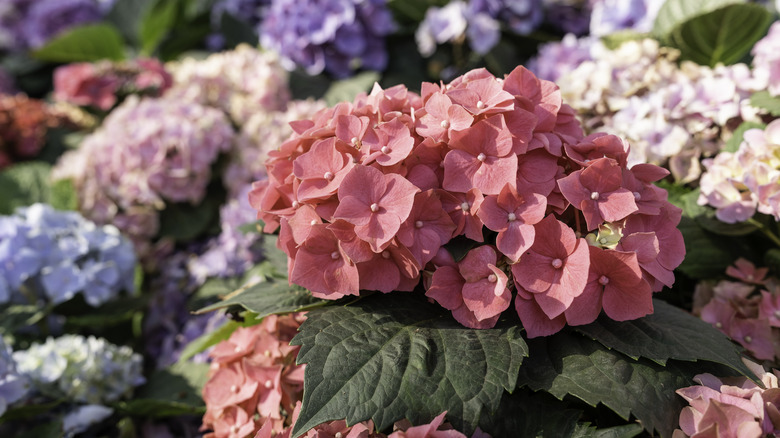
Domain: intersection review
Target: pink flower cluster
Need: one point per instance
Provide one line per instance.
(254, 380)
(731, 407)
(366, 195)
(766, 59)
(739, 184)
(749, 318)
(103, 84)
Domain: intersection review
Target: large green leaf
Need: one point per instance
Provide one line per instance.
(158, 20)
(668, 333)
(184, 222)
(127, 16)
(87, 43)
(673, 13)
(767, 102)
(725, 35)
(570, 364)
(389, 357)
(24, 184)
(526, 413)
(267, 298)
(708, 254)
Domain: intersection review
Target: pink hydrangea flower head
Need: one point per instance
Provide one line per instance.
(84, 84)
(481, 158)
(537, 171)
(434, 429)
(375, 203)
(393, 144)
(229, 386)
(395, 268)
(513, 216)
(555, 269)
(598, 191)
(746, 271)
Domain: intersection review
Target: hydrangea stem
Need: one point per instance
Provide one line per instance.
(765, 230)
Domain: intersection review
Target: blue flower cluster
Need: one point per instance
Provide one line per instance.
(52, 255)
(28, 24)
(337, 36)
(81, 369)
(13, 385)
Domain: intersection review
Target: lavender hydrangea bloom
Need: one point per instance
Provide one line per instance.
(441, 25)
(47, 18)
(328, 35)
(766, 59)
(85, 370)
(13, 386)
(609, 16)
(53, 255)
(12, 15)
(558, 58)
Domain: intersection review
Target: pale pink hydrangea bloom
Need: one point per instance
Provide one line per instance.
(766, 59)
(739, 184)
(731, 407)
(241, 82)
(367, 195)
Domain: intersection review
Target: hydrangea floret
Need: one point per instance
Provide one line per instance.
(82, 369)
(50, 256)
(14, 386)
(369, 195)
(732, 406)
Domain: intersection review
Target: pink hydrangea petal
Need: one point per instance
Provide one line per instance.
(476, 264)
(535, 321)
(446, 287)
(515, 240)
(585, 308)
(534, 272)
(487, 299)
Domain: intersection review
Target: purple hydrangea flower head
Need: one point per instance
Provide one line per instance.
(13, 385)
(81, 369)
(12, 17)
(54, 255)
(519, 16)
(328, 35)
(47, 18)
(555, 59)
(441, 25)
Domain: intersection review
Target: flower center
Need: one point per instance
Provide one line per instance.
(313, 222)
(481, 156)
(445, 124)
(748, 339)
(777, 314)
(354, 140)
(603, 241)
(267, 353)
(234, 388)
(603, 280)
(385, 150)
(465, 206)
(594, 195)
(237, 349)
(328, 176)
(719, 324)
(418, 224)
(511, 217)
(492, 278)
(268, 384)
(234, 429)
(637, 196)
(338, 435)
(385, 254)
(480, 104)
(374, 207)
(296, 204)
(557, 263)
(334, 255)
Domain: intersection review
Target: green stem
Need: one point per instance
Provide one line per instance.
(765, 230)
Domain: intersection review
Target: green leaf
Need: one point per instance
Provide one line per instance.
(273, 255)
(52, 428)
(667, 333)
(24, 184)
(395, 356)
(673, 13)
(84, 44)
(526, 413)
(766, 101)
(732, 145)
(29, 411)
(208, 339)
(345, 90)
(569, 364)
(157, 23)
(725, 35)
(170, 392)
(708, 254)
(63, 195)
(614, 40)
(268, 298)
(127, 16)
